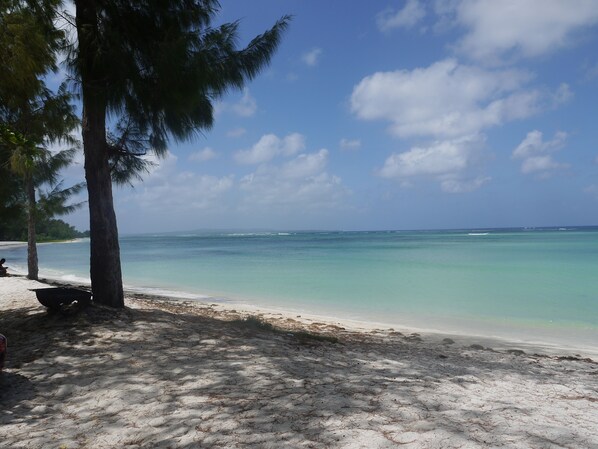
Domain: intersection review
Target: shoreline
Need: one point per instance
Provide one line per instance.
(354, 325)
(11, 244)
(183, 374)
(569, 336)
(272, 313)
(528, 344)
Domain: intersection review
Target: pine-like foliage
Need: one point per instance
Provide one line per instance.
(155, 67)
(159, 65)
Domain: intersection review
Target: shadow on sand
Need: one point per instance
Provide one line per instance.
(153, 378)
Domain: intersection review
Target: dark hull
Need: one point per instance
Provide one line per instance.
(53, 298)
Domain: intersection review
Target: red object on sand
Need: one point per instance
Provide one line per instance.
(2, 351)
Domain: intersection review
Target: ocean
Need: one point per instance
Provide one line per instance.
(526, 284)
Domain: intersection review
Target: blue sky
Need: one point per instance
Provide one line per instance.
(393, 115)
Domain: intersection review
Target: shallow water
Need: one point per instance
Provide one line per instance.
(529, 284)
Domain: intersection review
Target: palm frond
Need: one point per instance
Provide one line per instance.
(53, 203)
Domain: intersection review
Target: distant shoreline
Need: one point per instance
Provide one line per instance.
(11, 244)
(16, 244)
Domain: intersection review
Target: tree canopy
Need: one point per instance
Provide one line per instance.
(32, 116)
(154, 68)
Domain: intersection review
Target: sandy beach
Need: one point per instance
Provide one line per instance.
(181, 374)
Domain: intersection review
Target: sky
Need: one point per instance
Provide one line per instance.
(391, 115)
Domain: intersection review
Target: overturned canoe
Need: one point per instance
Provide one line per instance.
(55, 297)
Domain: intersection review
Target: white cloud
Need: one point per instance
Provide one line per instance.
(301, 184)
(446, 161)
(350, 144)
(305, 165)
(592, 190)
(409, 16)
(456, 185)
(270, 146)
(562, 95)
(590, 71)
(534, 144)
(312, 57)
(292, 77)
(540, 164)
(445, 99)
(516, 28)
(236, 132)
(442, 157)
(535, 153)
(170, 190)
(246, 106)
(203, 155)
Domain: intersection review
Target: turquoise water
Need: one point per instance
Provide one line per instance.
(511, 283)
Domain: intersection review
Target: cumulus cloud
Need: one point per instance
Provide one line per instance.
(298, 186)
(407, 17)
(452, 184)
(270, 146)
(301, 182)
(446, 99)
(446, 161)
(540, 164)
(350, 144)
(592, 190)
(246, 106)
(203, 155)
(534, 144)
(168, 189)
(515, 28)
(441, 157)
(236, 132)
(305, 165)
(562, 95)
(590, 71)
(312, 57)
(535, 153)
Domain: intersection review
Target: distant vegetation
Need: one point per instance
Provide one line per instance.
(55, 229)
(153, 69)
(48, 230)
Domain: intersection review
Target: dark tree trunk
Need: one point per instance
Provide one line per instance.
(106, 277)
(32, 263)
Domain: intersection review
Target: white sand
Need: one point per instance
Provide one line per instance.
(181, 374)
(11, 244)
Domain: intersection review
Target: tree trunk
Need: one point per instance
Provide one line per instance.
(32, 263)
(106, 277)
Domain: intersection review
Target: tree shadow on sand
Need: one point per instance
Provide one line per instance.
(153, 378)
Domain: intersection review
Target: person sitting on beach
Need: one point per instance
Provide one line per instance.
(3, 271)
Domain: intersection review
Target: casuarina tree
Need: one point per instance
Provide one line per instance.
(153, 67)
(31, 115)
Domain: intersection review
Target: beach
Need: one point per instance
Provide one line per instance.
(531, 286)
(185, 374)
